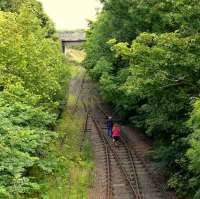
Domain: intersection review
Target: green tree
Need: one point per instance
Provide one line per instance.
(33, 83)
(153, 50)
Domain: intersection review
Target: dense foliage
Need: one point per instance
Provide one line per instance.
(145, 56)
(33, 81)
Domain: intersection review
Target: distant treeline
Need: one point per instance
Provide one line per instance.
(145, 56)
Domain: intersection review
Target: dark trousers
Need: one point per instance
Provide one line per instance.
(109, 132)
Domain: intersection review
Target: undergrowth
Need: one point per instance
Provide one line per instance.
(74, 175)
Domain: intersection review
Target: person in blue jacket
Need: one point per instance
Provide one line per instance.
(109, 126)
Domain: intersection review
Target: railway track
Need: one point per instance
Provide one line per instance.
(107, 156)
(119, 170)
(85, 128)
(149, 188)
(78, 93)
(124, 180)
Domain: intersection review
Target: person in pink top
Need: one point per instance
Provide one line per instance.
(116, 133)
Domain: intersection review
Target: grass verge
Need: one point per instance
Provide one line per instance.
(73, 177)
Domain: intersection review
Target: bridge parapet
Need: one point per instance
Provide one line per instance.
(71, 38)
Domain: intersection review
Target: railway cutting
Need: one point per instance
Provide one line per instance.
(119, 173)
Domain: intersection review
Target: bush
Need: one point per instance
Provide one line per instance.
(33, 81)
(153, 50)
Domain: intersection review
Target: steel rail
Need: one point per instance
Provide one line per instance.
(124, 172)
(84, 127)
(108, 166)
(130, 155)
(163, 189)
(155, 181)
(74, 110)
(133, 167)
(79, 94)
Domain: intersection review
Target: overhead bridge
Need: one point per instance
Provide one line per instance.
(71, 38)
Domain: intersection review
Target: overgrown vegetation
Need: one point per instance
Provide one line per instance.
(73, 178)
(33, 82)
(145, 56)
